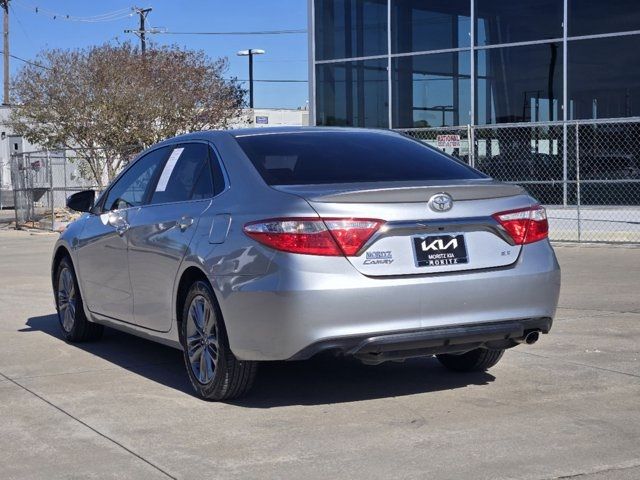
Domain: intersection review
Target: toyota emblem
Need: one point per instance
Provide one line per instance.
(441, 202)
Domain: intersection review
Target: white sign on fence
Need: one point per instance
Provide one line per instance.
(451, 141)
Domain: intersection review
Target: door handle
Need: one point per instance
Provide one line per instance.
(184, 223)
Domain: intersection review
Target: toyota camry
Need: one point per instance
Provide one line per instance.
(255, 245)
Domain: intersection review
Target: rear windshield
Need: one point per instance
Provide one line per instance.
(308, 158)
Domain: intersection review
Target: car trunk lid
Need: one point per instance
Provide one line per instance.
(416, 238)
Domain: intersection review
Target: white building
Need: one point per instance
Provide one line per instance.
(272, 117)
(9, 144)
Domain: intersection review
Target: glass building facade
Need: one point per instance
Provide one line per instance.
(439, 63)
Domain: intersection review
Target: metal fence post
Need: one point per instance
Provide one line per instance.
(578, 200)
(31, 208)
(64, 172)
(53, 213)
(14, 183)
(564, 164)
(472, 146)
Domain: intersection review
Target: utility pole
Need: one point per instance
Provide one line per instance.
(5, 33)
(142, 12)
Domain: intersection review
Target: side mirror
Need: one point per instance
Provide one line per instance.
(81, 201)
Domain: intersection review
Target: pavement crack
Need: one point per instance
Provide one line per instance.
(579, 364)
(595, 472)
(598, 310)
(93, 429)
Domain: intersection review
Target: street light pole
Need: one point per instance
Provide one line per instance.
(250, 53)
(250, 79)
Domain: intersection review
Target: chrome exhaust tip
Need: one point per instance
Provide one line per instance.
(531, 338)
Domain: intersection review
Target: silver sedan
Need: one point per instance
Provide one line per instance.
(276, 244)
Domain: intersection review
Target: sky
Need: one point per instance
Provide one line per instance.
(285, 58)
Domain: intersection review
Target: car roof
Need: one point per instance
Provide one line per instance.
(259, 131)
(244, 132)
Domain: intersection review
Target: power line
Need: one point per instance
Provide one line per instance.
(28, 61)
(237, 79)
(275, 81)
(103, 17)
(259, 32)
(282, 61)
(13, 13)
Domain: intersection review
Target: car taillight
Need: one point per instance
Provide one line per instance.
(313, 236)
(526, 225)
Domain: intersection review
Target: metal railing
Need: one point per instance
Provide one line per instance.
(587, 173)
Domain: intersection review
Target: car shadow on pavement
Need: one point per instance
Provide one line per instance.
(323, 379)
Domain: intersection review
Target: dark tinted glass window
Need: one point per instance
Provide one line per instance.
(352, 94)
(509, 21)
(519, 84)
(604, 77)
(131, 189)
(589, 17)
(308, 158)
(204, 184)
(431, 90)
(419, 26)
(186, 173)
(218, 176)
(350, 28)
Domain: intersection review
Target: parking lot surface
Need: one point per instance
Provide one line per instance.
(568, 406)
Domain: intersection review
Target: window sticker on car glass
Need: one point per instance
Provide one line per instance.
(168, 169)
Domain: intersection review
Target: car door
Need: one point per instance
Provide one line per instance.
(161, 232)
(103, 264)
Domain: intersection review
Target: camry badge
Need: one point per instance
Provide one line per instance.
(441, 202)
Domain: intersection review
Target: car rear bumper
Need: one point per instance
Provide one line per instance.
(307, 304)
(430, 341)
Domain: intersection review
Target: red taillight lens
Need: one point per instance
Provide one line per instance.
(352, 233)
(526, 225)
(311, 236)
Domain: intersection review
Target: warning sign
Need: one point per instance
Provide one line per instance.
(451, 141)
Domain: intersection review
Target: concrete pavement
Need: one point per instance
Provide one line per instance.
(123, 408)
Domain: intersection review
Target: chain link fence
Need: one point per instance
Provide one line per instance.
(587, 174)
(43, 180)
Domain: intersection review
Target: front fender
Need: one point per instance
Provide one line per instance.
(67, 245)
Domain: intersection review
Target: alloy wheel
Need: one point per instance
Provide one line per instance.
(202, 339)
(67, 299)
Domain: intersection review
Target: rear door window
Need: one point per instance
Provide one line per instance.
(186, 175)
(307, 158)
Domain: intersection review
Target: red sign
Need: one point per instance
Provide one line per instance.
(451, 141)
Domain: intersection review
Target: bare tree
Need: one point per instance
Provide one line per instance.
(103, 101)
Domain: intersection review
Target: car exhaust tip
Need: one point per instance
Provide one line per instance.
(531, 338)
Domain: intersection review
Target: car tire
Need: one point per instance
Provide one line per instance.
(477, 360)
(71, 316)
(214, 371)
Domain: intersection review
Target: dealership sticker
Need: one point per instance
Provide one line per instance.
(379, 258)
(168, 169)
